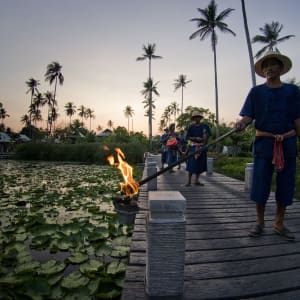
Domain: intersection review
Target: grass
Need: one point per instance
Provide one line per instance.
(235, 167)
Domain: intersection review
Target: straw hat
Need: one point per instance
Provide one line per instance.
(196, 113)
(286, 62)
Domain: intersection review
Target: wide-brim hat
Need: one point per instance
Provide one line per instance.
(196, 113)
(286, 62)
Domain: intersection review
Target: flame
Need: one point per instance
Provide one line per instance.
(129, 187)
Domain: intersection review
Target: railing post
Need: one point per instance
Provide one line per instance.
(248, 176)
(152, 169)
(165, 251)
(210, 166)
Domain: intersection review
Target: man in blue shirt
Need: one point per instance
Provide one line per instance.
(275, 108)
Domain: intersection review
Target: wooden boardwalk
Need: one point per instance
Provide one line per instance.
(221, 261)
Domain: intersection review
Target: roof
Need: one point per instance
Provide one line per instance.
(4, 138)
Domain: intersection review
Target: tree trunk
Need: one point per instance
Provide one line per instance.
(248, 44)
(216, 94)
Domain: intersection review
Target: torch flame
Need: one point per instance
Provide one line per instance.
(129, 187)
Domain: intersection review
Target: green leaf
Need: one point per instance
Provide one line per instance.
(116, 267)
(78, 257)
(27, 267)
(120, 251)
(74, 280)
(37, 288)
(103, 250)
(51, 267)
(91, 266)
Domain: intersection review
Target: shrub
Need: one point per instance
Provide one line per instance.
(81, 152)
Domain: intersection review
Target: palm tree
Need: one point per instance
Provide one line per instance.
(129, 112)
(207, 24)
(82, 113)
(174, 109)
(149, 89)
(248, 43)
(270, 37)
(25, 120)
(181, 82)
(89, 113)
(53, 73)
(32, 84)
(99, 128)
(149, 54)
(110, 124)
(70, 110)
(51, 102)
(3, 114)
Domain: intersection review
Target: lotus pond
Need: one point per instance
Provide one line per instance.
(59, 235)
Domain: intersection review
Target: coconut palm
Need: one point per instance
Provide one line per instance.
(70, 110)
(51, 102)
(82, 113)
(270, 37)
(36, 116)
(99, 128)
(32, 84)
(174, 109)
(129, 112)
(53, 74)
(3, 113)
(110, 124)
(181, 82)
(248, 43)
(52, 118)
(149, 89)
(25, 120)
(89, 114)
(207, 25)
(149, 54)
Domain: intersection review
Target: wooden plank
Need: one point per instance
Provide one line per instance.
(221, 261)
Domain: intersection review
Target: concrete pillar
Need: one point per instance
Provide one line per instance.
(210, 166)
(152, 169)
(248, 176)
(165, 244)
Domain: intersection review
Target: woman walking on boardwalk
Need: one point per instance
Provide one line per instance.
(197, 136)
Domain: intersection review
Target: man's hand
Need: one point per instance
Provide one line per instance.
(240, 125)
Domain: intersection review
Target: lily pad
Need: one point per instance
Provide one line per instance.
(116, 268)
(91, 266)
(120, 251)
(27, 267)
(74, 280)
(78, 257)
(51, 267)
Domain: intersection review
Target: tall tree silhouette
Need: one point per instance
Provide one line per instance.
(149, 54)
(181, 82)
(270, 37)
(32, 84)
(208, 23)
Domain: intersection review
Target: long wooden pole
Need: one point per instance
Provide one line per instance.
(183, 159)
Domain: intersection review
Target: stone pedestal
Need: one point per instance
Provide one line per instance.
(152, 169)
(248, 177)
(165, 244)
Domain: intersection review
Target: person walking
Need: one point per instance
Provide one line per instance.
(197, 136)
(172, 146)
(275, 108)
(164, 150)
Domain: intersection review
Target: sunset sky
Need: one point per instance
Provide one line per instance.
(97, 43)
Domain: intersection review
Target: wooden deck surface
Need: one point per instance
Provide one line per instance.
(221, 261)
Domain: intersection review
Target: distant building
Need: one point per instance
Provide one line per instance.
(105, 133)
(5, 142)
